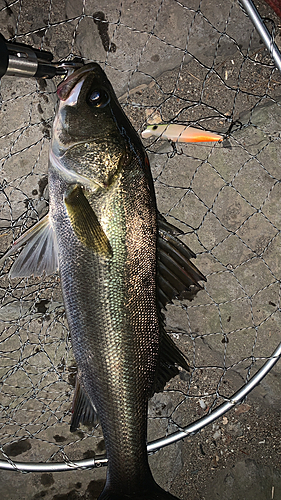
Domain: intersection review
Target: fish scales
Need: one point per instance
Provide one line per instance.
(111, 311)
(111, 245)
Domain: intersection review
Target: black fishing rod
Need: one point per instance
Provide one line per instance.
(20, 60)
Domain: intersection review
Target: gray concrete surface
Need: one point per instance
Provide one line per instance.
(224, 197)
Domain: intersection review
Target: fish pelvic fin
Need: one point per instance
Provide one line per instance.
(39, 255)
(83, 411)
(85, 223)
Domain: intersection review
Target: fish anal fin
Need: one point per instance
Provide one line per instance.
(83, 411)
(169, 358)
(39, 254)
(85, 223)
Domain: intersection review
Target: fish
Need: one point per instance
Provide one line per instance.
(120, 263)
(180, 133)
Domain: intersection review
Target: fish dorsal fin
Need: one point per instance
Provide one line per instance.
(85, 223)
(83, 411)
(177, 276)
(169, 358)
(39, 254)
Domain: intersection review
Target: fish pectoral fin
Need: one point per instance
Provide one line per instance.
(177, 276)
(83, 411)
(169, 358)
(39, 253)
(85, 223)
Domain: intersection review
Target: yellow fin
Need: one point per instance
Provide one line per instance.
(85, 223)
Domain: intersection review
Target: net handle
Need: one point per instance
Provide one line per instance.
(262, 31)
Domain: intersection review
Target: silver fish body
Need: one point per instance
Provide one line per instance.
(110, 304)
(120, 263)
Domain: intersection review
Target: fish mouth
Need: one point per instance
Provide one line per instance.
(64, 89)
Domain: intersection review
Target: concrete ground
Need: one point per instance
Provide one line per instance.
(193, 62)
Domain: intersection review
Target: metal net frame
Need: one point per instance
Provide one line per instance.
(227, 210)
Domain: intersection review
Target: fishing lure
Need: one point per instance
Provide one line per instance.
(180, 133)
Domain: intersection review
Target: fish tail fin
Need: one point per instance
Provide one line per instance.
(154, 492)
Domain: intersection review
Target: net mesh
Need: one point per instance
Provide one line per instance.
(173, 61)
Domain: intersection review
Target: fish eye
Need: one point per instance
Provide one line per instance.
(98, 98)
